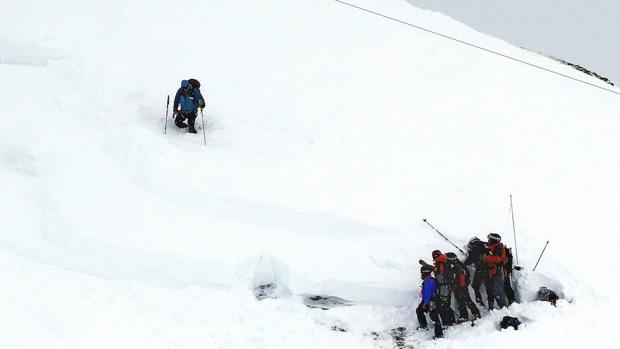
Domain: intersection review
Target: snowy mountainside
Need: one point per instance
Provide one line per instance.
(330, 134)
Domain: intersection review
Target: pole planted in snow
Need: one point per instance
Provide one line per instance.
(541, 254)
(166, 123)
(514, 232)
(443, 236)
(204, 135)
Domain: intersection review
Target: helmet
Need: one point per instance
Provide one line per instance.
(426, 269)
(494, 237)
(472, 242)
(452, 257)
(436, 254)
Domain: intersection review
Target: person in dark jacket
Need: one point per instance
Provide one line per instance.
(495, 261)
(508, 267)
(459, 282)
(475, 249)
(189, 99)
(428, 304)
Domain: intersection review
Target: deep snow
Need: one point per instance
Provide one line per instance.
(330, 134)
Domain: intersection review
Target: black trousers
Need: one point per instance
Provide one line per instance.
(445, 310)
(510, 293)
(463, 301)
(191, 118)
(482, 277)
(421, 313)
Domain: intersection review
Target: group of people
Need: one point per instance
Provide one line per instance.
(447, 275)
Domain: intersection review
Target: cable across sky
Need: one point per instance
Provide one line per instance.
(477, 47)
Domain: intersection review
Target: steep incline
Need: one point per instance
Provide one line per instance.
(330, 133)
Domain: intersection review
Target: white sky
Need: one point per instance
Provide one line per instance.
(581, 32)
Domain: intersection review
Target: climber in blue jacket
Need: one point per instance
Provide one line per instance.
(427, 305)
(189, 98)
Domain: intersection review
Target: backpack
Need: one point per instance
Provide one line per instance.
(509, 321)
(456, 269)
(194, 83)
(466, 270)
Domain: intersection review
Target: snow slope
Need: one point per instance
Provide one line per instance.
(330, 134)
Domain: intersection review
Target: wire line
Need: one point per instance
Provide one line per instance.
(478, 47)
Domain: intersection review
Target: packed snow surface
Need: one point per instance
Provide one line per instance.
(330, 134)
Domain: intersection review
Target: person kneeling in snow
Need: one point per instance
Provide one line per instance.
(189, 98)
(428, 303)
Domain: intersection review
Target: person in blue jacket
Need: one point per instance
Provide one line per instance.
(189, 99)
(428, 305)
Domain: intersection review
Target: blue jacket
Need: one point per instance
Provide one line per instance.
(429, 289)
(187, 100)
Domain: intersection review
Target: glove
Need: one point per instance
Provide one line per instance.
(201, 104)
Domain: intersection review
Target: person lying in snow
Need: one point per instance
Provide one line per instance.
(189, 98)
(547, 295)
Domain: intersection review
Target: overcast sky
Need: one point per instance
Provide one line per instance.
(584, 32)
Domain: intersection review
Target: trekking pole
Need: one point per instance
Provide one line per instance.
(541, 254)
(514, 232)
(167, 105)
(443, 236)
(204, 135)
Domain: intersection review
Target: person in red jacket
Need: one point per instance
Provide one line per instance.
(495, 260)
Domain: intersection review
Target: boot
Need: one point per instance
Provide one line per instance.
(191, 129)
(461, 320)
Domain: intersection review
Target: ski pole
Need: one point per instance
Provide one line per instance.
(541, 254)
(166, 123)
(204, 135)
(443, 236)
(514, 232)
